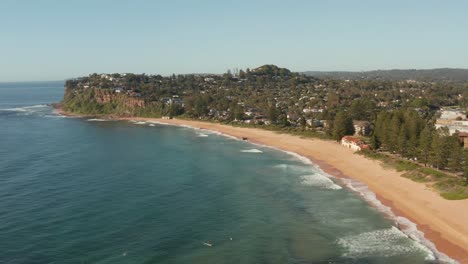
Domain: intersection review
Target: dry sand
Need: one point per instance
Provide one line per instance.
(444, 222)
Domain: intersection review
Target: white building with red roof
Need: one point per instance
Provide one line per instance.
(354, 143)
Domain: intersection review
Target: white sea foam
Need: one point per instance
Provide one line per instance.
(319, 180)
(409, 228)
(58, 116)
(18, 109)
(136, 122)
(302, 169)
(405, 225)
(251, 151)
(98, 120)
(205, 131)
(151, 125)
(201, 135)
(30, 109)
(382, 243)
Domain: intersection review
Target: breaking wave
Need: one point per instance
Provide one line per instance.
(98, 120)
(251, 151)
(381, 243)
(405, 226)
(318, 180)
(26, 109)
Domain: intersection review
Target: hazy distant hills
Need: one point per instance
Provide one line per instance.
(443, 74)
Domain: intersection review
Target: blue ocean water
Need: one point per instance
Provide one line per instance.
(77, 190)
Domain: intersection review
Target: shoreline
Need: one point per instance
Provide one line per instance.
(443, 222)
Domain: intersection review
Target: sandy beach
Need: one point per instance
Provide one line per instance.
(444, 222)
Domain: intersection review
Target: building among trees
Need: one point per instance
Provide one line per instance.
(354, 143)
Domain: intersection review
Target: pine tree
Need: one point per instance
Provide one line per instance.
(273, 114)
(403, 141)
(380, 128)
(414, 125)
(375, 141)
(425, 141)
(455, 157)
(342, 126)
(393, 133)
(465, 166)
(439, 146)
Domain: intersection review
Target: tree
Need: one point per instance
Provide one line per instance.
(439, 150)
(242, 74)
(380, 129)
(238, 113)
(283, 118)
(201, 107)
(175, 110)
(425, 141)
(342, 126)
(302, 122)
(393, 133)
(273, 114)
(362, 109)
(465, 166)
(403, 141)
(455, 158)
(375, 142)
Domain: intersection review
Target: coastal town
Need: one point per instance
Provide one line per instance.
(416, 127)
(419, 121)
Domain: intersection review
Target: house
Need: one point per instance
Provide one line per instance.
(314, 123)
(454, 119)
(353, 143)
(325, 123)
(463, 137)
(312, 110)
(452, 114)
(361, 128)
(118, 90)
(252, 112)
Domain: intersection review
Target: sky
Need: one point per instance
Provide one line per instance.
(57, 39)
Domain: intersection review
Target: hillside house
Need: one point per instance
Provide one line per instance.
(361, 128)
(463, 137)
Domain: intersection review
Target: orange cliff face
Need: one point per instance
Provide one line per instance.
(107, 96)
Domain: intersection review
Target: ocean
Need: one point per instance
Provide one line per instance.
(81, 190)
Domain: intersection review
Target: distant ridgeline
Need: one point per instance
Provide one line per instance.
(432, 75)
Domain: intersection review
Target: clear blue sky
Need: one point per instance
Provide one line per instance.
(58, 39)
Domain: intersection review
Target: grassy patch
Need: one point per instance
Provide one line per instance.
(448, 186)
(452, 188)
(416, 176)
